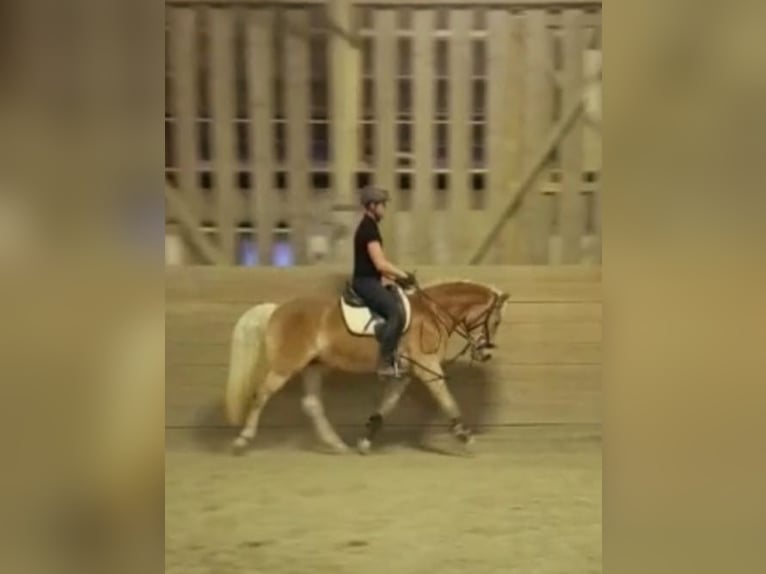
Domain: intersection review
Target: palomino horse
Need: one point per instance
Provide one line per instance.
(309, 334)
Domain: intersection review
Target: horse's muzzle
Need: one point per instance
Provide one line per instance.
(482, 354)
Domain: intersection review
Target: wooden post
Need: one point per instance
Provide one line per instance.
(297, 98)
(510, 244)
(260, 50)
(536, 123)
(460, 234)
(503, 100)
(222, 79)
(385, 123)
(183, 22)
(573, 203)
(344, 115)
(423, 86)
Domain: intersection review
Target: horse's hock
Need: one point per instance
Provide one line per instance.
(546, 370)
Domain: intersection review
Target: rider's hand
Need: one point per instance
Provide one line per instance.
(407, 281)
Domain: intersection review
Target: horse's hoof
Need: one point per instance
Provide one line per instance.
(340, 448)
(466, 439)
(364, 446)
(239, 446)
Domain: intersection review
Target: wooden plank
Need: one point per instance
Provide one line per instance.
(260, 45)
(218, 319)
(461, 234)
(200, 277)
(183, 331)
(534, 215)
(401, 3)
(547, 367)
(572, 216)
(521, 394)
(522, 353)
(183, 23)
(247, 286)
(510, 243)
(385, 128)
(222, 85)
(500, 109)
(297, 94)
(423, 122)
(345, 76)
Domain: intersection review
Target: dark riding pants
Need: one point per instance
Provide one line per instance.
(383, 302)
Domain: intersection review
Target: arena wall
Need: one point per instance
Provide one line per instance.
(546, 371)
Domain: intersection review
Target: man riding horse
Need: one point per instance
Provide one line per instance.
(372, 275)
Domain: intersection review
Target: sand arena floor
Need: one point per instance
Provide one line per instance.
(528, 501)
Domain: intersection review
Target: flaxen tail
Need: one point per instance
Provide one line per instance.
(245, 372)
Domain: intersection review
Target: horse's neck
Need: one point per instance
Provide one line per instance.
(455, 300)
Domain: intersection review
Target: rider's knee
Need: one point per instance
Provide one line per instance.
(397, 320)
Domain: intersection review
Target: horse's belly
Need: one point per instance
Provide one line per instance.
(351, 354)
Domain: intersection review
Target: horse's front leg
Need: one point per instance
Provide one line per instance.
(390, 399)
(432, 376)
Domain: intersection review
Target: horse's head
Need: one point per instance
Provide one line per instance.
(481, 324)
(475, 311)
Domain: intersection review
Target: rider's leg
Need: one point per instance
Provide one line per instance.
(393, 328)
(384, 303)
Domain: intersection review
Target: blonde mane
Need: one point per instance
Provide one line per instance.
(438, 282)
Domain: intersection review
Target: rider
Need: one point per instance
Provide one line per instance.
(372, 271)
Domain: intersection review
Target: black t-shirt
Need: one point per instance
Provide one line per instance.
(366, 232)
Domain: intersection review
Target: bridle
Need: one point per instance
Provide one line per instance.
(465, 329)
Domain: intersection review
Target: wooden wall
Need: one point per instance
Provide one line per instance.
(459, 108)
(547, 370)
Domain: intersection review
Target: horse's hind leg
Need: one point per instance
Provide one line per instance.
(390, 399)
(314, 409)
(271, 385)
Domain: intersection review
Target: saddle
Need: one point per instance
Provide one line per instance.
(360, 320)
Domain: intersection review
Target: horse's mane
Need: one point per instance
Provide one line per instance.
(439, 282)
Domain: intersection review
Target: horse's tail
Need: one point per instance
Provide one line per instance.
(247, 347)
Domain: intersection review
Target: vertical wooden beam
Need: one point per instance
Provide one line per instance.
(183, 22)
(345, 75)
(461, 235)
(423, 120)
(385, 117)
(260, 45)
(511, 245)
(499, 116)
(537, 121)
(592, 147)
(573, 214)
(222, 79)
(297, 98)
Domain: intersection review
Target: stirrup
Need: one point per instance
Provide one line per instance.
(389, 370)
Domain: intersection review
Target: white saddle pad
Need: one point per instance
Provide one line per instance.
(360, 320)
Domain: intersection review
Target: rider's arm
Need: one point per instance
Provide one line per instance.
(382, 264)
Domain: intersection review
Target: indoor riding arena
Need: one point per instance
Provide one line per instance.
(482, 120)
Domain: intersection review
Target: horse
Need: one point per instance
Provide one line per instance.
(308, 335)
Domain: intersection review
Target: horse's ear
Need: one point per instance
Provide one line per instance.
(504, 297)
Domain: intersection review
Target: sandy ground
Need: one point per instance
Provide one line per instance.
(527, 500)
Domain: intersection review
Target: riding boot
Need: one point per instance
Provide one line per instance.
(388, 367)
